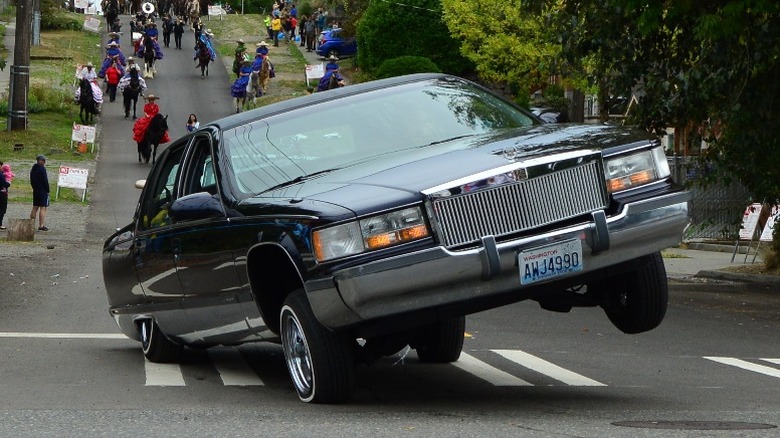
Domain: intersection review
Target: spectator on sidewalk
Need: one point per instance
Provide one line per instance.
(5, 182)
(39, 180)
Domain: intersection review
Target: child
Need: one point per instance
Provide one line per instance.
(6, 169)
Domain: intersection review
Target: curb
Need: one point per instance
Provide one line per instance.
(735, 276)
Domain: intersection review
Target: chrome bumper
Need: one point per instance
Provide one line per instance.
(437, 277)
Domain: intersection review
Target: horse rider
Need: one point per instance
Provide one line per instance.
(113, 37)
(261, 56)
(240, 55)
(126, 81)
(151, 32)
(88, 73)
(112, 53)
(331, 71)
(205, 39)
(141, 125)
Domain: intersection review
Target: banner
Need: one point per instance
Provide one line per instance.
(81, 4)
(92, 24)
(83, 133)
(314, 71)
(766, 235)
(750, 221)
(73, 178)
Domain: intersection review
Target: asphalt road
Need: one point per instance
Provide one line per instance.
(66, 370)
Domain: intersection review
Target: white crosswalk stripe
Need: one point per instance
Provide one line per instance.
(486, 372)
(547, 368)
(163, 374)
(745, 365)
(233, 369)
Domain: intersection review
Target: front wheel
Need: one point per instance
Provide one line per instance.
(320, 362)
(636, 301)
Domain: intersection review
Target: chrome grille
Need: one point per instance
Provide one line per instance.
(522, 205)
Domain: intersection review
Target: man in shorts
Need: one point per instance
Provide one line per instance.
(39, 181)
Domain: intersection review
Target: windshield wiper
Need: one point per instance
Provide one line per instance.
(448, 139)
(298, 179)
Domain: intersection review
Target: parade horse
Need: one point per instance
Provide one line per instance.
(203, 57)
(148, 54)
(111, 11)
(86, 101)
(258, 80)
(147, 147)
(131, 93)
(193, 11)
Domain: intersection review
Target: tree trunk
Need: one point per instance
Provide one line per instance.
(21, 230)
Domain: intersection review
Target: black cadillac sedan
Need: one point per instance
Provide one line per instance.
(351, 223)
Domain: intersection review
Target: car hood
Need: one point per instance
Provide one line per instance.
(399, 178)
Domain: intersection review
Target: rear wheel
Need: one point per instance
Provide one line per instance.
(636, 301)
(442, 341)
(156, 347)
(333, 52)
(320, 362)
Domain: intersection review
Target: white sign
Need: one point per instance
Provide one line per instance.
(750, 221)
(73, 178)
(83, 133)
(81, 4)
(92, 24)
(216, 10)
(774, 214)
(314, 71)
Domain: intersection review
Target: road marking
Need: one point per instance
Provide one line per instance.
(488, 373)
(163, 374)
(63, 335)
(233, 369)
(547, 368)
(745, 365)
(774, 361)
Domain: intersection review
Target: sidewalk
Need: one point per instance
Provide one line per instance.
(708, 261)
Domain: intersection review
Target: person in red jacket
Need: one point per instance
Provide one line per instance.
(113, 74)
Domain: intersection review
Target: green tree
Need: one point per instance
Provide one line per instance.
(415, 28)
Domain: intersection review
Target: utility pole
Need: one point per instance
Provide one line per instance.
(20, 70)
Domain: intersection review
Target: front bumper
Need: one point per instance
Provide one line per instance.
(437, 277)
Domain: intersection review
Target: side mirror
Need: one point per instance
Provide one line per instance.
(200, 205)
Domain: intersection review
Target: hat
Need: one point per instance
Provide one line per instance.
(151, 97)
(89, 64)
(209, 32)
(40, 157)
(113, 34)
(112, 44)
(262, 44)
(240, 41)
(130, 59)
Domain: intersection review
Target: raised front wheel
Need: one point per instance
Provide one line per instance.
(636, 301)
(320, 362)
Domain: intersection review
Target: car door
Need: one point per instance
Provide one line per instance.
(153, 250)
(204, 257)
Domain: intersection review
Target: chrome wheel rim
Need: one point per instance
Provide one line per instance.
(146, 335)
(297, 355)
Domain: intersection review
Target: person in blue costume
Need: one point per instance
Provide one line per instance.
(332, 64)
(205, 39)
(152, 32)
(112, 51)
(113, 37)
(332, 78)
(238, 90)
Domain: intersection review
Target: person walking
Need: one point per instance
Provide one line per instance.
(178, 31)
(5, 182)
(167, 26)
(192, 123)
(276, 27)
(310, 28)
(39, 180)
(113, 74)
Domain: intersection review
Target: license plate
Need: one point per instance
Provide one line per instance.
(550, 261)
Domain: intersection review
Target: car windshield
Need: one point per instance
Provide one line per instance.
(347, 131)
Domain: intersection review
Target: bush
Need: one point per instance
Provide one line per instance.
(404, 65)
(53, 17)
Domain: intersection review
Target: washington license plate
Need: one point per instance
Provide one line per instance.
(550, 261)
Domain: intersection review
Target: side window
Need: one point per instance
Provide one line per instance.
(200, 176)
(159, 195)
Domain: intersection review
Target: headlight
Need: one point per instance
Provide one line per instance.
(368, 234)
(628, 171)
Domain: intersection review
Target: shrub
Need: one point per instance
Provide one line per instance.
(404, 65)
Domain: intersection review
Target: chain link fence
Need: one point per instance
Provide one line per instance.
(716, 209)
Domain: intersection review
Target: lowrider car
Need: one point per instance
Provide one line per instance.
(351, 223)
